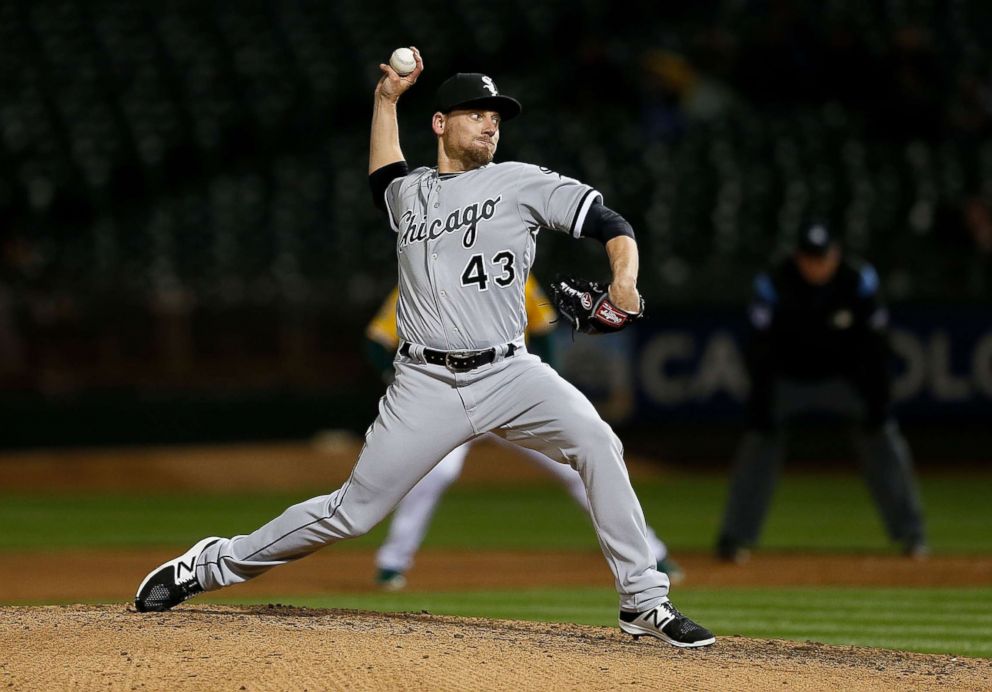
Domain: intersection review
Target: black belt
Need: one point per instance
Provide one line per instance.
(459, 361)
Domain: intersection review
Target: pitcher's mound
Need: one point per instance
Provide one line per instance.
(275, 647)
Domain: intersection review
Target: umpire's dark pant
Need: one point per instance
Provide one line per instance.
(885, 461)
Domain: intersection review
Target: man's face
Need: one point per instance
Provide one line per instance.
(818, 269)
(470, 135)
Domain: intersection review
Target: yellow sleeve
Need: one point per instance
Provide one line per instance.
(382, 328)
(541, 314)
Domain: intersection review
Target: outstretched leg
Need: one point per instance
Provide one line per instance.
(401, 446)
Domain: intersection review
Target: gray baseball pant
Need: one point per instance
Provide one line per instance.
(427, 412)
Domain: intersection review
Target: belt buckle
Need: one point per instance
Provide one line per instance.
(451, 359)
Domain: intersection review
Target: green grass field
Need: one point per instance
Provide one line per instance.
(811, 512)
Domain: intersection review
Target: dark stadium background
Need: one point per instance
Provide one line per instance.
(189, 252)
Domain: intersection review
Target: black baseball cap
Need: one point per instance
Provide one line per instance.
(468, 89)
(815, 239)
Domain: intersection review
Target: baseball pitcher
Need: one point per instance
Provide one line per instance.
(465, 240)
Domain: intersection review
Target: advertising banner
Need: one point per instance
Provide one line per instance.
(690, 365)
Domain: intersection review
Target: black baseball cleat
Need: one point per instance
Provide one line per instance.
(172, 582)
(667, 624)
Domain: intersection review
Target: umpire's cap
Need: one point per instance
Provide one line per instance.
(815, 239)
(467, 89)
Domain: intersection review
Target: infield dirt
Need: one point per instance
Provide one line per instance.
(275, 648)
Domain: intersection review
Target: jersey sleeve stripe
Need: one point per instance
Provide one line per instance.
(580, 213)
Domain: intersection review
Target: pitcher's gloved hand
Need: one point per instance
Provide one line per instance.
(588, 308)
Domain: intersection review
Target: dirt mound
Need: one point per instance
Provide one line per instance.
(252, 648)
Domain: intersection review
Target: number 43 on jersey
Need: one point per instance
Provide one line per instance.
(501, 266)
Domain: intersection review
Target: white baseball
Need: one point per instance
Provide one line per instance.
(402, 61)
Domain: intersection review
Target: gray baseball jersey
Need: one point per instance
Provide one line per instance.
(465, 245)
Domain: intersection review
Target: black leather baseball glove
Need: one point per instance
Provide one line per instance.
(588, 308)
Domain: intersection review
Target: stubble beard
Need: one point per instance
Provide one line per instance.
(472, 157)
(477, 156)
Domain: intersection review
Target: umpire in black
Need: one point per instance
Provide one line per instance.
(818, 343)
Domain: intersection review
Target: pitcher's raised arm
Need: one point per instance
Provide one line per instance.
(384, 147)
